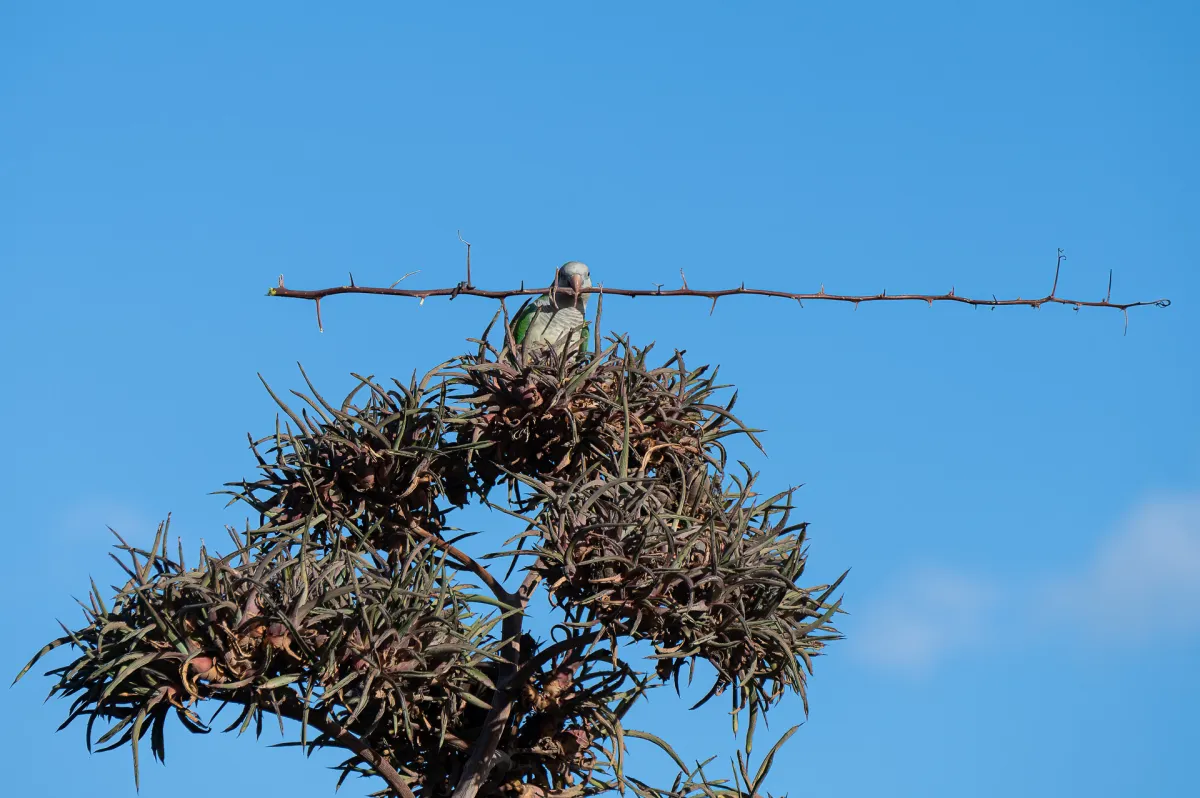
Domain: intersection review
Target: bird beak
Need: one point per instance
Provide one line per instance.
(576, 285)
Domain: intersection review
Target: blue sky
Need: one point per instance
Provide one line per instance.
(1017, 492)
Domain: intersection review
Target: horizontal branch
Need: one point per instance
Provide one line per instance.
(883, 296)
(466, 288)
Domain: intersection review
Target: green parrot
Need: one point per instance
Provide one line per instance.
(546, 320)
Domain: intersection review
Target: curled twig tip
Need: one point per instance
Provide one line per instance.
(1057, 267)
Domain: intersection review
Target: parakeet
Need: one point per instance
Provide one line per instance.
(545, 320)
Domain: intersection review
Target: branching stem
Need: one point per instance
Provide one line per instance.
(480, 764)
(321, 721)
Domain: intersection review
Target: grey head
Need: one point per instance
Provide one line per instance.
(572, 278)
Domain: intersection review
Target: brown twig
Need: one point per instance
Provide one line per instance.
(425, 293)
(469, 563)
(368, 754)
(319, 719)
(465, 289)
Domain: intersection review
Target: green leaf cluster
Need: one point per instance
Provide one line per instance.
(348, 608)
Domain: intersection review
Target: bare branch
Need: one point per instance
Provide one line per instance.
(368, 754)
(472, 565)
(466, 289)
(478, 767)
(319, 719)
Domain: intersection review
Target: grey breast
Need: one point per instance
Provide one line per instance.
(549, 326)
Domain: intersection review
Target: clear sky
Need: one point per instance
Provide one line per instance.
(1017, 492)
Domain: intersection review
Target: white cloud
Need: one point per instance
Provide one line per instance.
(90, 518)
(1142, 580)
(919, 620)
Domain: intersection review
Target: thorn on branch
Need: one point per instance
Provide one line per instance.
(1108, 296)
(352, 280)
(684, 278)
(320, 327)
(714, 305)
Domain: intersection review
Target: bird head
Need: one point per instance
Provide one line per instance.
(573, 277)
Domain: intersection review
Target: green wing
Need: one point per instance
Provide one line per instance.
(585, 333)
(520, 322)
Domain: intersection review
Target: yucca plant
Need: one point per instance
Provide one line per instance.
(346, 607)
